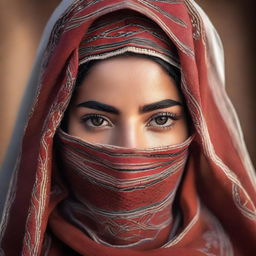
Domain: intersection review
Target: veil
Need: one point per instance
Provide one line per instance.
(224, 176)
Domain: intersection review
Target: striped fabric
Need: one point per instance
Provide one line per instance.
(216, 197)
(122, 32)
(120, 197)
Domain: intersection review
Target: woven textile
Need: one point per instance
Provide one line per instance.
(120, 197)
(216, 196)
(126, 31)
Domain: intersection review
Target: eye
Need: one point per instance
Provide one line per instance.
(96, 121)
(162, 120)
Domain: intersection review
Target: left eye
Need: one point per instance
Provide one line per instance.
(162, 120)
(96, 121)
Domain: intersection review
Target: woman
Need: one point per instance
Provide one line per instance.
(119, 176)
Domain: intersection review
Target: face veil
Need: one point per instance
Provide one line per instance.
(120, 197)
(218, 189)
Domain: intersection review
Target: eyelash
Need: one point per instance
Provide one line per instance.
(85, 118)
(174, 117)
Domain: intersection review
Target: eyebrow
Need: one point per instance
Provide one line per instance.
(146, 108)
(99, 106)
(160, 104)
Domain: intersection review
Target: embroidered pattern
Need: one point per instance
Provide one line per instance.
(112, 180)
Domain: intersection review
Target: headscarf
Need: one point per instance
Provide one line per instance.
(126, 31)
(217, 194)
(119, 197)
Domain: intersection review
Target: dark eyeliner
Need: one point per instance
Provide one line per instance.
(87, 117)
(173, 116)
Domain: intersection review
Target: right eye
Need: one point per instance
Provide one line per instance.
(96, 121)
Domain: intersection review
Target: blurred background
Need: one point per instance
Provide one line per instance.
(22, 22)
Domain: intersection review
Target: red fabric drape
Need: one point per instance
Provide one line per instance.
(217, 179)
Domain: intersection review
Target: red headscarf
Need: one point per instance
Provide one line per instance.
(126, 31)
(218, 188)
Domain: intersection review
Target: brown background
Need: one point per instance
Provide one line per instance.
(22, 22)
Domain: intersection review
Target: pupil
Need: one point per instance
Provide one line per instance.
(161, 120)
(97, 121)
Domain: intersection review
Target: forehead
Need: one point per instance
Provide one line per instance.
(129, 79)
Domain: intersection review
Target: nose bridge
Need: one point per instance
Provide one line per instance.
(130, 135)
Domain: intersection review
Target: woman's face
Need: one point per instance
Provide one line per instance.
(130, 102)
